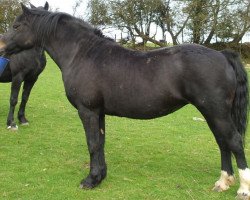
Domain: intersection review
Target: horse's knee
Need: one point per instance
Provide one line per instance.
(94, 143)
(93, 147)
(13, 101)
(25, 98)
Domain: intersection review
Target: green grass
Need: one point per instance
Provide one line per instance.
(170, 158)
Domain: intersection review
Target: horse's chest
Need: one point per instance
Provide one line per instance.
(71, 93)
(78, 94)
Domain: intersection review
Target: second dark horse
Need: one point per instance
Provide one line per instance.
(24, 66)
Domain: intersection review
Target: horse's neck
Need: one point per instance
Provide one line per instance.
(53, 55)
(56, 51)
(64, 47)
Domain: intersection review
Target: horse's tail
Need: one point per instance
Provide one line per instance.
(241, 99)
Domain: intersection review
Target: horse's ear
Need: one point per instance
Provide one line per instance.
(32, 6)
(26, 10)
(46, 6)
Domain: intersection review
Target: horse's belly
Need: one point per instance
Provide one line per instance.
(144, 111)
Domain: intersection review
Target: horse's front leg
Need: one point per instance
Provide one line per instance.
(93, 123)
(15, 88)
(28, 85)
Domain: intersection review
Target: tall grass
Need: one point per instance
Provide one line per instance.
(173, 157)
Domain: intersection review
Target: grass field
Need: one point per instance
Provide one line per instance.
(171, 158)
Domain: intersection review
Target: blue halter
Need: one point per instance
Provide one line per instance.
(3, 64)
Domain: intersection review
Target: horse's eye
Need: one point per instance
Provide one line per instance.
(15, 26)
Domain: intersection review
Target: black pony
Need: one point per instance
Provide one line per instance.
(101, 77)
(24, 67)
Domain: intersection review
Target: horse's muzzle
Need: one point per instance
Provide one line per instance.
(2, 46)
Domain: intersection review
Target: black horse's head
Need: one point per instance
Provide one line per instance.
(20, 36)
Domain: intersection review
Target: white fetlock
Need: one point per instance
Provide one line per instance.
(12, 128)
(243, 192)
(242, 196)
(224, 182)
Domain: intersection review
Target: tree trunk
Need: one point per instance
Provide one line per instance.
(197, 21)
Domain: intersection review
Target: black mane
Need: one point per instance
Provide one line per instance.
(45, 23)
(99, 33)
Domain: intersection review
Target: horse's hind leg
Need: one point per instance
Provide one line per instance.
(227, 175)
(229, 140)
(235, 144)
(222, 127)
(28, 85)
(93, 123)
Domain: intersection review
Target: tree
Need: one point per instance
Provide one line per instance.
(137, 17)
(75, 7)
(213, 20)
(172, 19)
(195, 21)
(241, 21)
(99, 13)
(9, 9)
(133, 16)
(214, 15)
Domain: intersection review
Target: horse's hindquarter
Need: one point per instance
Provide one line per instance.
(207, 77)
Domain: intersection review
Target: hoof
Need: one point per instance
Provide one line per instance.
(25, 124)
(13, 128)
(219, 188)
(86, 186)
(90, 182)
(242, 196)
(224, 182)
